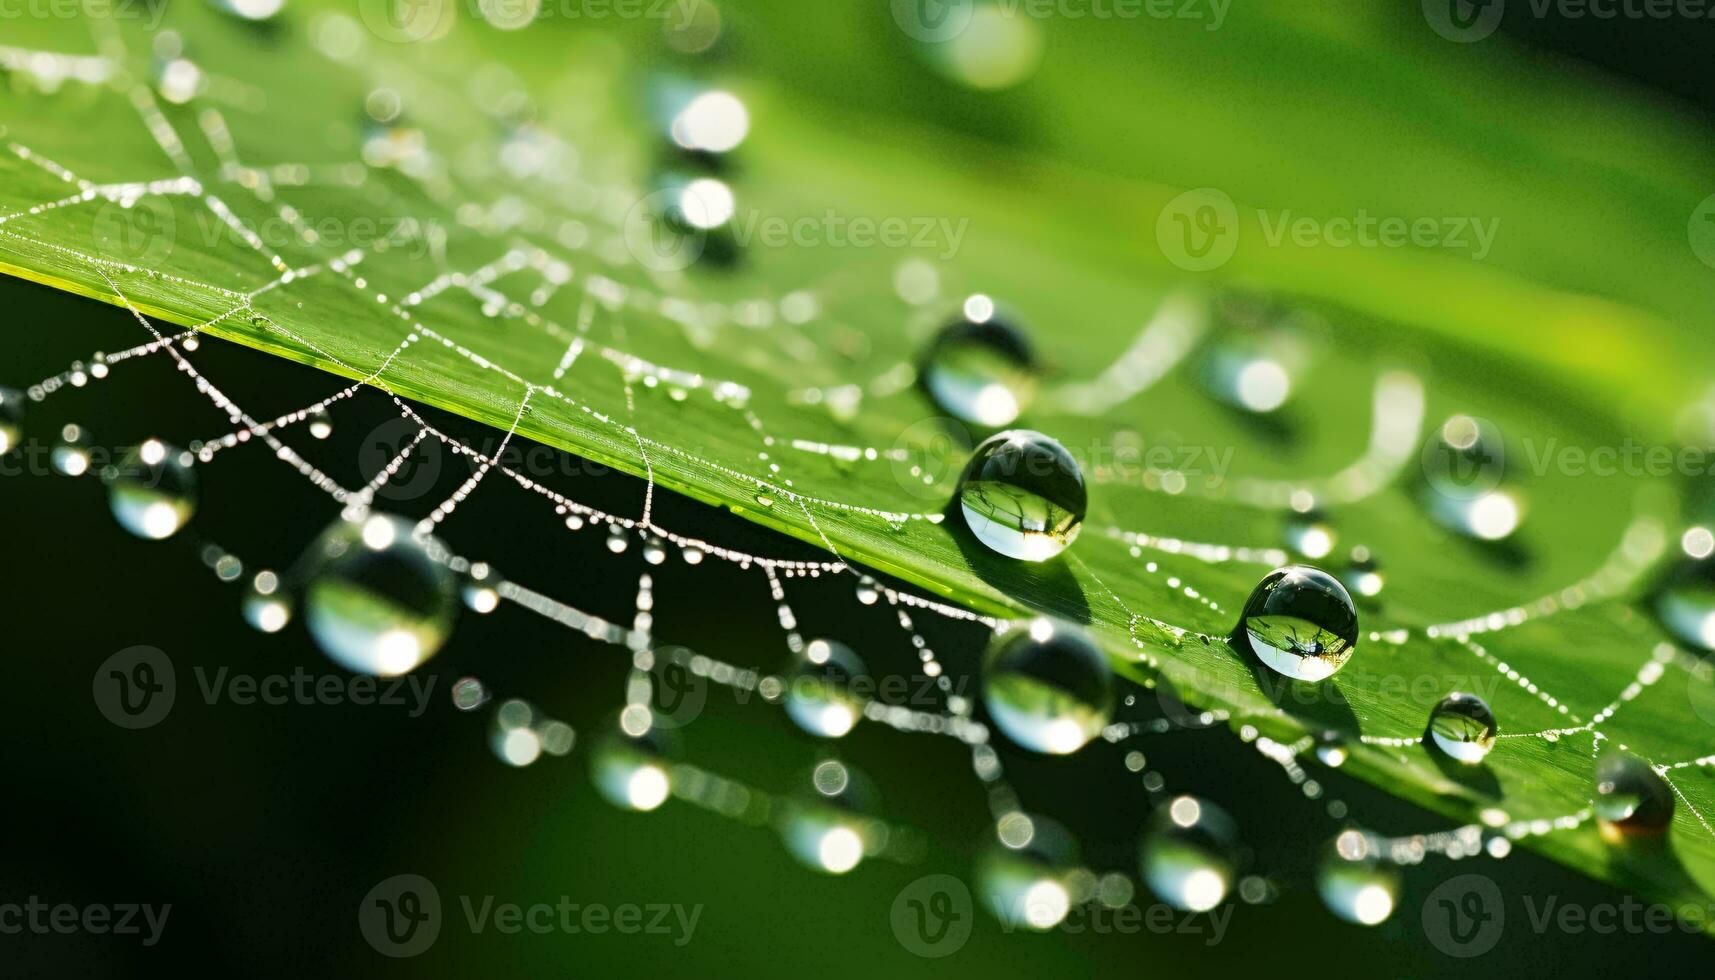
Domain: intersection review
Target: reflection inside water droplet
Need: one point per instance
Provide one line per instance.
(376, 602)
(1463, 727)
(1023, 495)
(1301, 623)
(980, 368)
(1630, 796)
(1048, 687)
(1189, 854)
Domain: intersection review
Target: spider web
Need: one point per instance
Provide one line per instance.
(605, 381)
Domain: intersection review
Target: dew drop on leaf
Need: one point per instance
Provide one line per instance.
(1463, 727)
(1300, 622)
(980, 368)
(1023, 495)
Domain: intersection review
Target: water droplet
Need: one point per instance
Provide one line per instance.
(826, 823)
(654, 550)
(713, 121)
(820, 695)
(1023, 495)
(983, 46)
(1310, 534)
(1301, 623)
(1355, 884)
(1189, 855)
(1048, 687)
(1685, 601)
(252, 10)
(1331, 749)
(377, 603)
(1362, 575)
(630, 764)
(480, 588)
(71, 455)
(1463, 466)
(320, 423)
(1463, 727)
(267, 605)
(1026, 878)
(1255, 368)
(1630, 796)
(868, 591)
(764, 500)
(692, 28)
(980, 368)
(153, 490)
(469, 693)
(617, 539)
(11, 419)
(513, 735)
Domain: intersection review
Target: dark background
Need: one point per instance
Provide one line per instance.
(265, 826)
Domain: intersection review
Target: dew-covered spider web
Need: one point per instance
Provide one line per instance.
(446, 232)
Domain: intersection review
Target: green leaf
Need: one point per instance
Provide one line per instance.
(1584, 327)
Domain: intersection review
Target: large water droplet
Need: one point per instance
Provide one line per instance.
(1630, 796)
(1463, 727)
(1685, 601)
(827, 824)
(320, 423)
(1023, 495)
(267, 605)
(1026, 878)
(1355, 884)
(71, 454)
(377, 603)
(1048, 687)
(980, 368)
(11, 419)
(1300, 622)
(153, 490)
(821, 694)
(1189, 854)
(630, 764)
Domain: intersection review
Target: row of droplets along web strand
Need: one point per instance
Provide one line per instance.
(803, 503)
